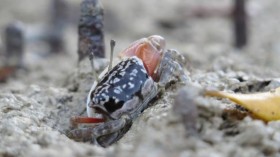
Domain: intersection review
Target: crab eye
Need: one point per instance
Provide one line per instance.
(157, 41)
(156, 45)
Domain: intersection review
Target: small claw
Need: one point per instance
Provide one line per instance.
(149, 50)
(111, 126)
(78, 119)
(170, 69)
(264, 106)
(158, 42)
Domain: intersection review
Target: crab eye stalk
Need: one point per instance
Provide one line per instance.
(91, 58)
(112, 45)
(158, 42)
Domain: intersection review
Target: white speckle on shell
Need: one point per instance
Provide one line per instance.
(105, 96)
(131, 85)
(119, 88)
(134, 72)
(117, 91)
(143, 70)
(116, 80)
(122, 73)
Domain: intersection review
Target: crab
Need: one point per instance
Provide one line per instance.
(127, 89)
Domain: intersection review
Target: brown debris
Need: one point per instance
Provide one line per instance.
(6, 72)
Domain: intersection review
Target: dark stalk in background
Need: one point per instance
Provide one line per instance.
(91, 36)
(240, 20)
(14, 44)
(14, 50)
(58, 21)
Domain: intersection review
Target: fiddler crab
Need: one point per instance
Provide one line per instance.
(125, 91)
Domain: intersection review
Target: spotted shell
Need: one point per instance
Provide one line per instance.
(124, 89)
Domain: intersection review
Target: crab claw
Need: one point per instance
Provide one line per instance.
(79, 119)
(265, 106)
(149, 50)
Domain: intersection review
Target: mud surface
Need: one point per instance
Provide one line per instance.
(36, 103)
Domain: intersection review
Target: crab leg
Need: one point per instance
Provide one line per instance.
(113, 126)
(124, 123)
(80, 134)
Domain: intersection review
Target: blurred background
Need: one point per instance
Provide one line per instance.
(195, 27)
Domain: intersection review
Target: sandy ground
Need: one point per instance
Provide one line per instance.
(35, 105)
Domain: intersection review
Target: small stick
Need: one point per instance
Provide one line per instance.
(91, 36)
(112, 45)
(91, 58)
(240, 23)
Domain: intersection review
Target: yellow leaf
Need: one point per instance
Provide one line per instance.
(265, 106)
